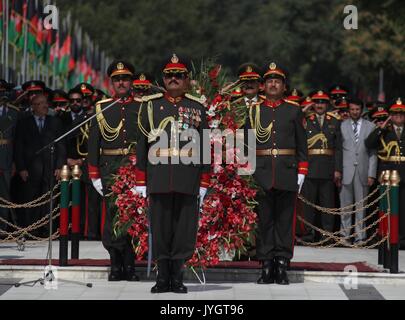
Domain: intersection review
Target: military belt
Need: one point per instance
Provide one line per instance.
(395, 159)
(174, 153)
(275, 152)
(4, 142)
(117, 152)
(321, 152)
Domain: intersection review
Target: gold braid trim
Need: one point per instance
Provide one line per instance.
(318, 137)
(262, 134)
(387, 148)
(154, 133)
(108, 133)
(84, 136)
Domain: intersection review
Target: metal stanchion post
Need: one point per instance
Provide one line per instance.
(382, 210)
(76, 174)
(64, 216)
(394, 220)
(387, 252)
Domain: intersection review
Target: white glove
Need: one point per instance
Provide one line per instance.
(301, 179)
(98, 186)
(141, 190)
(203, 192)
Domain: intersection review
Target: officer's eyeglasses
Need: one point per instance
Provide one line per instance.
(78, 100)
(176, 75)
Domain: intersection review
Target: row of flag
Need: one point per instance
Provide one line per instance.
(67, 52)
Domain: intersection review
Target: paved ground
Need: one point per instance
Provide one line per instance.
(103, 290)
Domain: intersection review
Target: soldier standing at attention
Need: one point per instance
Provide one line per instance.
(174, 184)
(281, 166)
(325, 162)
(112, 138)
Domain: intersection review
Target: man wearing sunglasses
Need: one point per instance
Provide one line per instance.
(88, 92)
(112, 140)
(174, 184)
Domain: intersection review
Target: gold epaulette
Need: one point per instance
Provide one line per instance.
(334, 115)
(194, 98)
(137, 99)
(152, 97)
(292, 102)
(262, 97)
(11, 106)
(99, 103)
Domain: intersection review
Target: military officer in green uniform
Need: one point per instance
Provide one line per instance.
(281, 166)
(174, 183)
(325, 163)
(8, 119)
(389, 139)
(113, 138)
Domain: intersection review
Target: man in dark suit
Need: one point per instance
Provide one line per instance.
(32, 134)
(8, 120)
(281, 166)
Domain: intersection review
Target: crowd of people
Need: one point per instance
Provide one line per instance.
(328, 145)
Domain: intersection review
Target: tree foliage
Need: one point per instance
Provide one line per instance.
(307, 37)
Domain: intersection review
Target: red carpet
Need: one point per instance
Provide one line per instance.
(299, 266)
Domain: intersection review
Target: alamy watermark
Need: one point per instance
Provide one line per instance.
(197, 150)
(351, 21)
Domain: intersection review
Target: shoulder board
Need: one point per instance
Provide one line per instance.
(262, 97)
(334, 115)
(11, 106)
(292, 102)
(136, 99)
(152, 97)
(194, 98)
(105, 101)
(310, 114)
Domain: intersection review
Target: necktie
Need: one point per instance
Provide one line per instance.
(320, 120)
(41, 124)
(399, 132)
(356, 131)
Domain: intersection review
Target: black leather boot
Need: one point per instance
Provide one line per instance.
(267, 272)
(177, 276)
(116, 266)
(163, 277)
(281, 271)
(129, 265)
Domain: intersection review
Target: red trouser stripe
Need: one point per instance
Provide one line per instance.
(294, 223)
(86, 221)
(103, 213)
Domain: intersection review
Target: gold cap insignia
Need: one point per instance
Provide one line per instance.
(399, 101)
(320, 93)
(238, 90)
(308, 99)
(120, 66)
(174, 59)
(142, 77)
(249, 69)
(273, 66)
(83, 87)
(295, 92)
